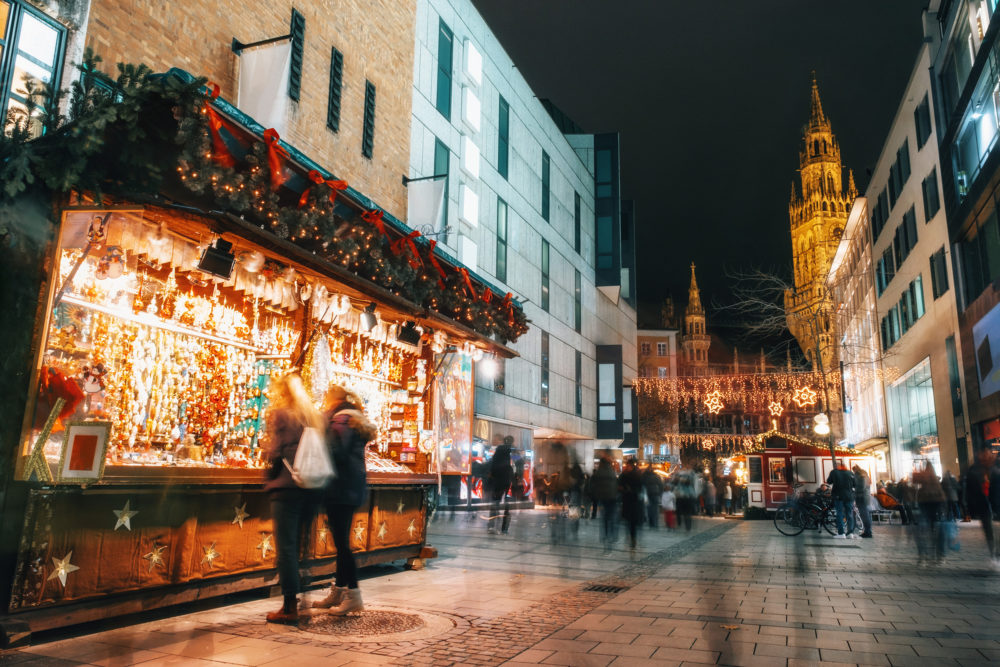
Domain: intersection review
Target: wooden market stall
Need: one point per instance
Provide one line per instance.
(162, 320)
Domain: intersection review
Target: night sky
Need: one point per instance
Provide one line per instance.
(710, 98)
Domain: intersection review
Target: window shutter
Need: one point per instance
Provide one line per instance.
(298, 32)
(368, 138)
(336, 89)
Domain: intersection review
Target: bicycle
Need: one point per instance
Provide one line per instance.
(805, 511)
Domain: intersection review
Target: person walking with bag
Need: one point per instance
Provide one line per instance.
(862, 498)
(290, 414)
(347, 433)
(501, 476)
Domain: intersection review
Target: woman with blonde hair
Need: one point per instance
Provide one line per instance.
(347, 433)
(289, 413)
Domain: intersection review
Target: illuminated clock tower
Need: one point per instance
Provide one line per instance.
(818, 213)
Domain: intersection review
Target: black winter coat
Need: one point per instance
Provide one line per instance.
(347, 450)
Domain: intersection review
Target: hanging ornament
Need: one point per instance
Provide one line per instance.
(412, 528)
(359, 531)
(382, 532)
(210, 555)
(804, 397)
(125, 516)
(264, 545)
(775, 408)
(713, 402)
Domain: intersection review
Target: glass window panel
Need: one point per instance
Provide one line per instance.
(603, 166)
(37, 39)
(606, 384)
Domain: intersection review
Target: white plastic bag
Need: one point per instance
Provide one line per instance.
(312, 468)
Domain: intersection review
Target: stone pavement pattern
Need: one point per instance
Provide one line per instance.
(729, 593)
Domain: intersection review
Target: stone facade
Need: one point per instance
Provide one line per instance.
(376, 39)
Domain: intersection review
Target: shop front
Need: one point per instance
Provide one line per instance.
(162, 318)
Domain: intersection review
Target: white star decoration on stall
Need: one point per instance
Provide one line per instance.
(62, 568)
(155, 557)
(210, 555)
(412, 528)
(382, 532)
(775, 408)
(265, 545)
(359, 531)
(804, 396)
(713, 402)
(241, 514)
(321, 537)
(399, 507)
(125, 516)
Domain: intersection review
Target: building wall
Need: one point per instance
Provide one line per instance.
(649, 364)
(532, 131)
(852, 285)
(375, 38)
(926, 338)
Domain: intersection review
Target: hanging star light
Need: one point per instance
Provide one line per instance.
(399, 507)
(264, 545)
(155, 557)
(241, 514)
(713, 402)
(210, 555)
(775, 408)
(125, 516)
(804, 396)
(382, 532)
(359, 531)
(412, 528)
(62, 568)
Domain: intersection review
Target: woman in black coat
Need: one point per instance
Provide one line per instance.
(347, 434)
(289, 413)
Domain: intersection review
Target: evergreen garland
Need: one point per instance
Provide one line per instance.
(121, 137)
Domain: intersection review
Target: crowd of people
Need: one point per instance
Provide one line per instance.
(628, 495)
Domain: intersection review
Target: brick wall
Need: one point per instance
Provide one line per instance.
(375, 36)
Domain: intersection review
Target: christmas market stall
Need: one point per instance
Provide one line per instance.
(777, 462)
(183, 257)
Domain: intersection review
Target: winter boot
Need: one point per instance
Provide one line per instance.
(288, 614)
(351, 601)
(333, 599)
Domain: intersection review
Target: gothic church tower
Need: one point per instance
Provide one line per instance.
(694, 339)
(818, 214)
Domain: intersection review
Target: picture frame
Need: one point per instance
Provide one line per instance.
(84, 452)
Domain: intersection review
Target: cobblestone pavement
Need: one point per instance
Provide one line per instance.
(729, 593)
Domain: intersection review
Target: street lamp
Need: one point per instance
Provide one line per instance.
(822, 424)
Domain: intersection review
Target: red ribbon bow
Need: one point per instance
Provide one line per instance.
(509, 305)
(437, 265)
(374, 217)
(407, 241)
(488, 295)
(274, 155)
(468, 282)
(318, 179)
(220, 153)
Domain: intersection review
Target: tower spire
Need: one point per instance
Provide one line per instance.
(852, 190)
(694, 296)
(816, 115)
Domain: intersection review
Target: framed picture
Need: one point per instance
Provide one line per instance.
(83, 452)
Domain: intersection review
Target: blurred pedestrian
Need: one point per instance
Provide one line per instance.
(604, 489)
(977, 496)
(930, 498)
(290, 412)
(953, 512)
(630, 487)
(684, 489)
(728, 496)
(653, 486)
(500, 476)
(841, 482)
(862, 497)
(907, 495)
(668, 502)
(709, 496)
(348, 432)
